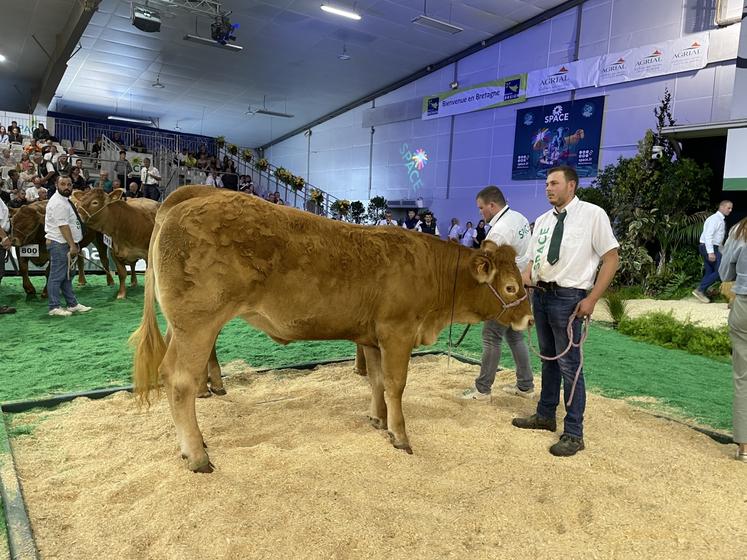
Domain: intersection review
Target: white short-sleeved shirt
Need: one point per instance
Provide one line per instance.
(468, 237)
(60, 213)
(383, 222)
(509, 227)
(4, 219)
(587, 235)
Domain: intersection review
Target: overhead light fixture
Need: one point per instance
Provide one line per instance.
(265, 111)
(433, 23)
(213, 43)
(128, 119)
(157, 84)
(341, 12)
(344, 54)
(454, 85)
(2, 58)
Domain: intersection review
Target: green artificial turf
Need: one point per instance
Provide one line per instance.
(44, 355)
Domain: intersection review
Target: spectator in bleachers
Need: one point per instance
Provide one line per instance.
(79, 183)
(104, 182)
(96, 147)
(36, 191)
(41, 133)
(134, 191)
(83, 172)
(6, 158)
(19, 199)
(181, 157)
(25, 165)
(46, 171)
(190, 160)
(63, 165)
(15, 135)
(412, 220)
(213, 179)
(202, 151)
(13, 183)
(4, 138)
(122, 168)
(230, 180)
(138, 146)
(246, 185)
(50, 153)
(468, 237)
(116, 184)
(71, 153)
(117, 139)
(202, 161)
(13, 124)
(428, 225)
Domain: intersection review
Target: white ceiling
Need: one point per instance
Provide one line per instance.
(290, 56)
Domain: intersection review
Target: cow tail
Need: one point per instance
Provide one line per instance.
(149, 344)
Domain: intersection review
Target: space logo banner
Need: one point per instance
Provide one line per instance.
(566, 133)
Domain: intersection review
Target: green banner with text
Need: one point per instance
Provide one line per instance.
(487, 95)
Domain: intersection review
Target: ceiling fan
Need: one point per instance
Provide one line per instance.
(265, 111)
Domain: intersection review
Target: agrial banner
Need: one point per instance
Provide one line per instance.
(667, 57)
(487, 95)
(566, 133)
(563, 77)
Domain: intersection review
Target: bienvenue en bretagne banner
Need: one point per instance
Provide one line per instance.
(667, 57)
(487, 95)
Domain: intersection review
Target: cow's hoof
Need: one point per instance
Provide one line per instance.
(361, 372)
(404, 446)
(109, 282)
(120, 296)
(202, 467)
(81, 284)
(204, 395)
(218, 391)
(30, 297)
(377, 423)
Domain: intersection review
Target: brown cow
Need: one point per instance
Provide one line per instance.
(216, 255)
(27, 223)
(129, 224)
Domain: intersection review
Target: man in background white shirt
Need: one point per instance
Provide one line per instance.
(387, 220)
(4, 246)
(507, 227)
(149, 179)
(709, 247)
(63, 231)
(455, 231)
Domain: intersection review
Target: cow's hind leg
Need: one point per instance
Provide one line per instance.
(214, 374)
(394, 361)
(181, 370)
(360, 361)
(377, 411)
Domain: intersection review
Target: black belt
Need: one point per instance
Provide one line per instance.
(554, 286)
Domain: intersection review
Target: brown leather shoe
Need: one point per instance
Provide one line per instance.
(535, 422)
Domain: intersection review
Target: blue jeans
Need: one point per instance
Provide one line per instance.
(492, 335)
(551, 310)
(711, 268)
(59, 276)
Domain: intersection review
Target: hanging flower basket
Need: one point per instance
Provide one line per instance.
(233, 149)
(283, 175)
(297, 183)
(341, 207)
(317, 196)
(220, 141)
(262, 165)
(247, 155)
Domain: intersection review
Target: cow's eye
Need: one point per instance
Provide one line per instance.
(511, 288)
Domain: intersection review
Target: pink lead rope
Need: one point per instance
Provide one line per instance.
(571, 344)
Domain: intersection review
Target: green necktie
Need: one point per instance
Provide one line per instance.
(557, 236)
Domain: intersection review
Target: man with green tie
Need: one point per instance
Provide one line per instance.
(567, 244)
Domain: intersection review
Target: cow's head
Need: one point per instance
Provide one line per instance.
(495, 267)
(25, 221)
(90, 203)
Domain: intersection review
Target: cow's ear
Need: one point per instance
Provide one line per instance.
(116, 194)
(482, 268)
(489, 246)
(76, 196)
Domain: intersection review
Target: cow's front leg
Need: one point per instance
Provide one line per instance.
(81, 270)
(377, 410)
(103, 257)
(395, 358)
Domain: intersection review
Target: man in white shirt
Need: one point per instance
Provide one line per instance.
(567, 244)
(387, 220)
(468, 237)
(4, 246)
(507, 227)
(149, 179)
(63, 232)
(455, 232)
(709, 247)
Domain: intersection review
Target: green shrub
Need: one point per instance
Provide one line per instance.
(664, 330)
(617, 306)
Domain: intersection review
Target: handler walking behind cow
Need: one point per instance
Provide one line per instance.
(63, 232)
(507, 227)
(566, 247)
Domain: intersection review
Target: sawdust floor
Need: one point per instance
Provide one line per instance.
(300, 474)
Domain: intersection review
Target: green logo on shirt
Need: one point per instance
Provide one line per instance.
(541, 246)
